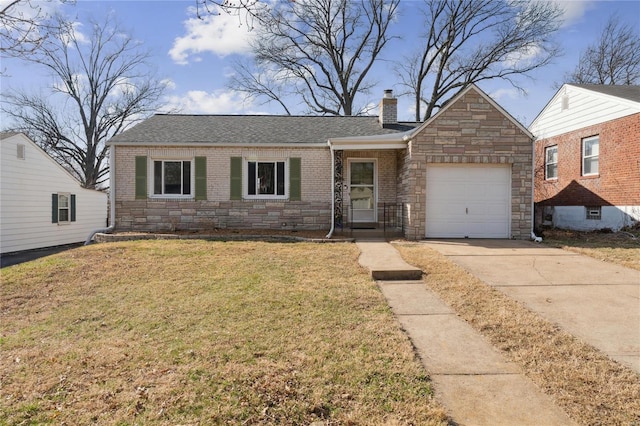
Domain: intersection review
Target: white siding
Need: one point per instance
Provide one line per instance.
(584, 108)
(26, 186)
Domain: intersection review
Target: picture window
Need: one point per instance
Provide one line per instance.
(266, 179)
(172, 178)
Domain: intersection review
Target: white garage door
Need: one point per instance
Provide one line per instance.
(468, 201)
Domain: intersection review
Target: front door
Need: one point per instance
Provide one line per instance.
(362, 191)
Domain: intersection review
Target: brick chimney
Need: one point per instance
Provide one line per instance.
(388, 109)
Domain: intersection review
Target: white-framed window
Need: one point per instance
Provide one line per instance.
(173, 178)
(590, 155)
(64, 207)
(266, 179)
(551, 162)
(593, 213)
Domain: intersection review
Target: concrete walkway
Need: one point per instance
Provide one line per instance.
(595, 301)
(472, 379)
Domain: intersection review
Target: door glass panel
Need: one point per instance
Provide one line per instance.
(362, 197)
(361, 173)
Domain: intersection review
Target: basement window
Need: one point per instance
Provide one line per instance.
(594, 213)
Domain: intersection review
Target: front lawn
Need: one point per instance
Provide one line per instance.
(197, 332)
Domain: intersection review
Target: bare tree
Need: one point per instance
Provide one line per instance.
(467, 41)
(24, 25)
(613, 59)
(102, 86)
(248, 10)
(317, 52)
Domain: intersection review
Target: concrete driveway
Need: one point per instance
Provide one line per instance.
(595, 301)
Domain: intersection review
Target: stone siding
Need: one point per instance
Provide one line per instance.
(473, 131)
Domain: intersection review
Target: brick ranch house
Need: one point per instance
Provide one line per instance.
(587, 171)
(465, 172)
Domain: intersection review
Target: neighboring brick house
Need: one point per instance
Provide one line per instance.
(466, 172)
(587, 150)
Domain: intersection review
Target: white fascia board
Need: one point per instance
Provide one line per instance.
(389, 141)
(366, 147)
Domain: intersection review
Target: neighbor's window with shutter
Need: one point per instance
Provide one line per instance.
(63, 208)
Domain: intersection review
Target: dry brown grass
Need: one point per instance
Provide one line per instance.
(622, 248)
(590, 387)
(196, 332)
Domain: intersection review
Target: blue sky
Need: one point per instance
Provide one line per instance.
(193, 55)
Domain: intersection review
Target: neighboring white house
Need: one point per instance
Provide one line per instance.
(41, 204)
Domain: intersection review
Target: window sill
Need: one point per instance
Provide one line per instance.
(593, 176)
(172, 197)
(264, 198)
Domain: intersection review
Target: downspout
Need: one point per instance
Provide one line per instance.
(333, 191)
(112, 199)
(534, 237)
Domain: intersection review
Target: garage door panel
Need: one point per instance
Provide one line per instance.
(468, 201)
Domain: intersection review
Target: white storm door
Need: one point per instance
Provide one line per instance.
(362, 190)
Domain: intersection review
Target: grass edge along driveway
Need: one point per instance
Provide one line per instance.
(590, 387)
(197, 332)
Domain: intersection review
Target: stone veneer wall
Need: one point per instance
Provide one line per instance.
(469, 131)
(153, 214)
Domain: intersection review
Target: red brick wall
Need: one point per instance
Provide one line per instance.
(618, 181)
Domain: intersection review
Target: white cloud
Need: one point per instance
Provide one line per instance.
(168, 84)
(522, 56)
(202, 102)
(501, 94)
(220, 34)
(574, 10)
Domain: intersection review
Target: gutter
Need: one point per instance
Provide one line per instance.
(333, 190)
(112, 199)
(534, 237)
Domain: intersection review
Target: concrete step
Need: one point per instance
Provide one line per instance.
(384, 261)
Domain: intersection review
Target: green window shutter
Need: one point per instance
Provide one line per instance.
(201, 178)
(73, 207)
(236, 178)
(54, 208)
(295, 179)
(141, 177)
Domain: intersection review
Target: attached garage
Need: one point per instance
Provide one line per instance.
(468, 201)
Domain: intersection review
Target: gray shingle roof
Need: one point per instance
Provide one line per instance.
(252, 129)
(629, 92)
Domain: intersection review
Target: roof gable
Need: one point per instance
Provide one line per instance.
(7, 137)
(460, 95)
